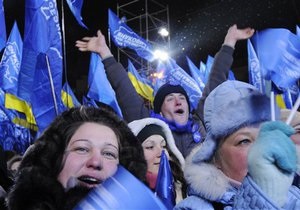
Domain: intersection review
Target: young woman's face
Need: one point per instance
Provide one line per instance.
(231, 156)
(91, 156)
(153, 147)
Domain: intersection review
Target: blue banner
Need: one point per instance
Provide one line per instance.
(122, 191)
(278, 51)
(123, 36)
(2, 26)
(99, 86)
(255, 74)
(41, 65)
(196, 74)
(165, 188)
(75, 7)
(176, 75)
(11, 61)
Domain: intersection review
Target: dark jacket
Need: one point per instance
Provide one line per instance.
(133, 107)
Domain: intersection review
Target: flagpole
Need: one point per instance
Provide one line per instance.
(51, 84)
(64, 45)
(294, 109)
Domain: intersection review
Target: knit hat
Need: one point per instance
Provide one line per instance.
(150, 130)
(138, 126)
(229, 107)
(285, 113)
(163, 91)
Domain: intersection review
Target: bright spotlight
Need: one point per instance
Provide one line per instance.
(163, 32)
(161, 55)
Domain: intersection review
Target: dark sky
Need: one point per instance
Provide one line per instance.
(197, 27)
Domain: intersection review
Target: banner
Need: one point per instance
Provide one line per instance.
(123, 37)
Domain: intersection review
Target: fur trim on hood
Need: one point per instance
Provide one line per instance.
(205, 179)
(137, 125)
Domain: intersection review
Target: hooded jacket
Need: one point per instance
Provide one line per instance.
(36, 185)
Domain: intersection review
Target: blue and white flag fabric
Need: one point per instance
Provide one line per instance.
(123, 37)
(89, 102)
(297, 31)
(177, 76)
(2, 26)
(196, 74)
(255, 75)
(278, 51)
(41, 67)
(165, 188)
(75, 7)
(119, 192)
(209, 62)
(99, 86)
(11, 61)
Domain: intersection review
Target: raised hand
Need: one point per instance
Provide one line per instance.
(94, 44)
(234, 34)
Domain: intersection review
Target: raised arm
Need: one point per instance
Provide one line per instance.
(131, 104)
(222, 62)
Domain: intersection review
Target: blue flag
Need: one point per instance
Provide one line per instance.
(255, 74)
(141, 85)
(196, 74)
(99, 86)
(11, 61)
(176, 75)
(75, 7)
(165, 188)
(122, 191)
(123, 36)
(41, 67)
(2, 26)
(278, 51)
(209, 63)
(89, 102)
(297, 31)
(68, 97)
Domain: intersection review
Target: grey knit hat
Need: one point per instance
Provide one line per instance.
(229, 107)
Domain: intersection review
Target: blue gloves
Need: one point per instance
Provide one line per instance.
(272, 160)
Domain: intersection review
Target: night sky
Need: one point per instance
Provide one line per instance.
(197, 28)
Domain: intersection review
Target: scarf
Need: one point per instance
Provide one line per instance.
(189, 127)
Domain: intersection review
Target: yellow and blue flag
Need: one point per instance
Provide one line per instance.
(142, 87)
(40, 77)
(68, 97)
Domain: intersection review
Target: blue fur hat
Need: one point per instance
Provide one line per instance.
(229, 107)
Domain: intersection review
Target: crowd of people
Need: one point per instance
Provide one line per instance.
(226, 154)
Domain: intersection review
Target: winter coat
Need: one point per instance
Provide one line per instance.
(210, 188)
(133, 107)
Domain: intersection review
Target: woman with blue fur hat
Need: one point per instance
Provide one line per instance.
(221, 175)
(171, 102)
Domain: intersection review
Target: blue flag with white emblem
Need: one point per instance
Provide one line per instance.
(40, 78)
(2, 26)
(123, 36)
(254, 70)
(278, 51)
(11, 61)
